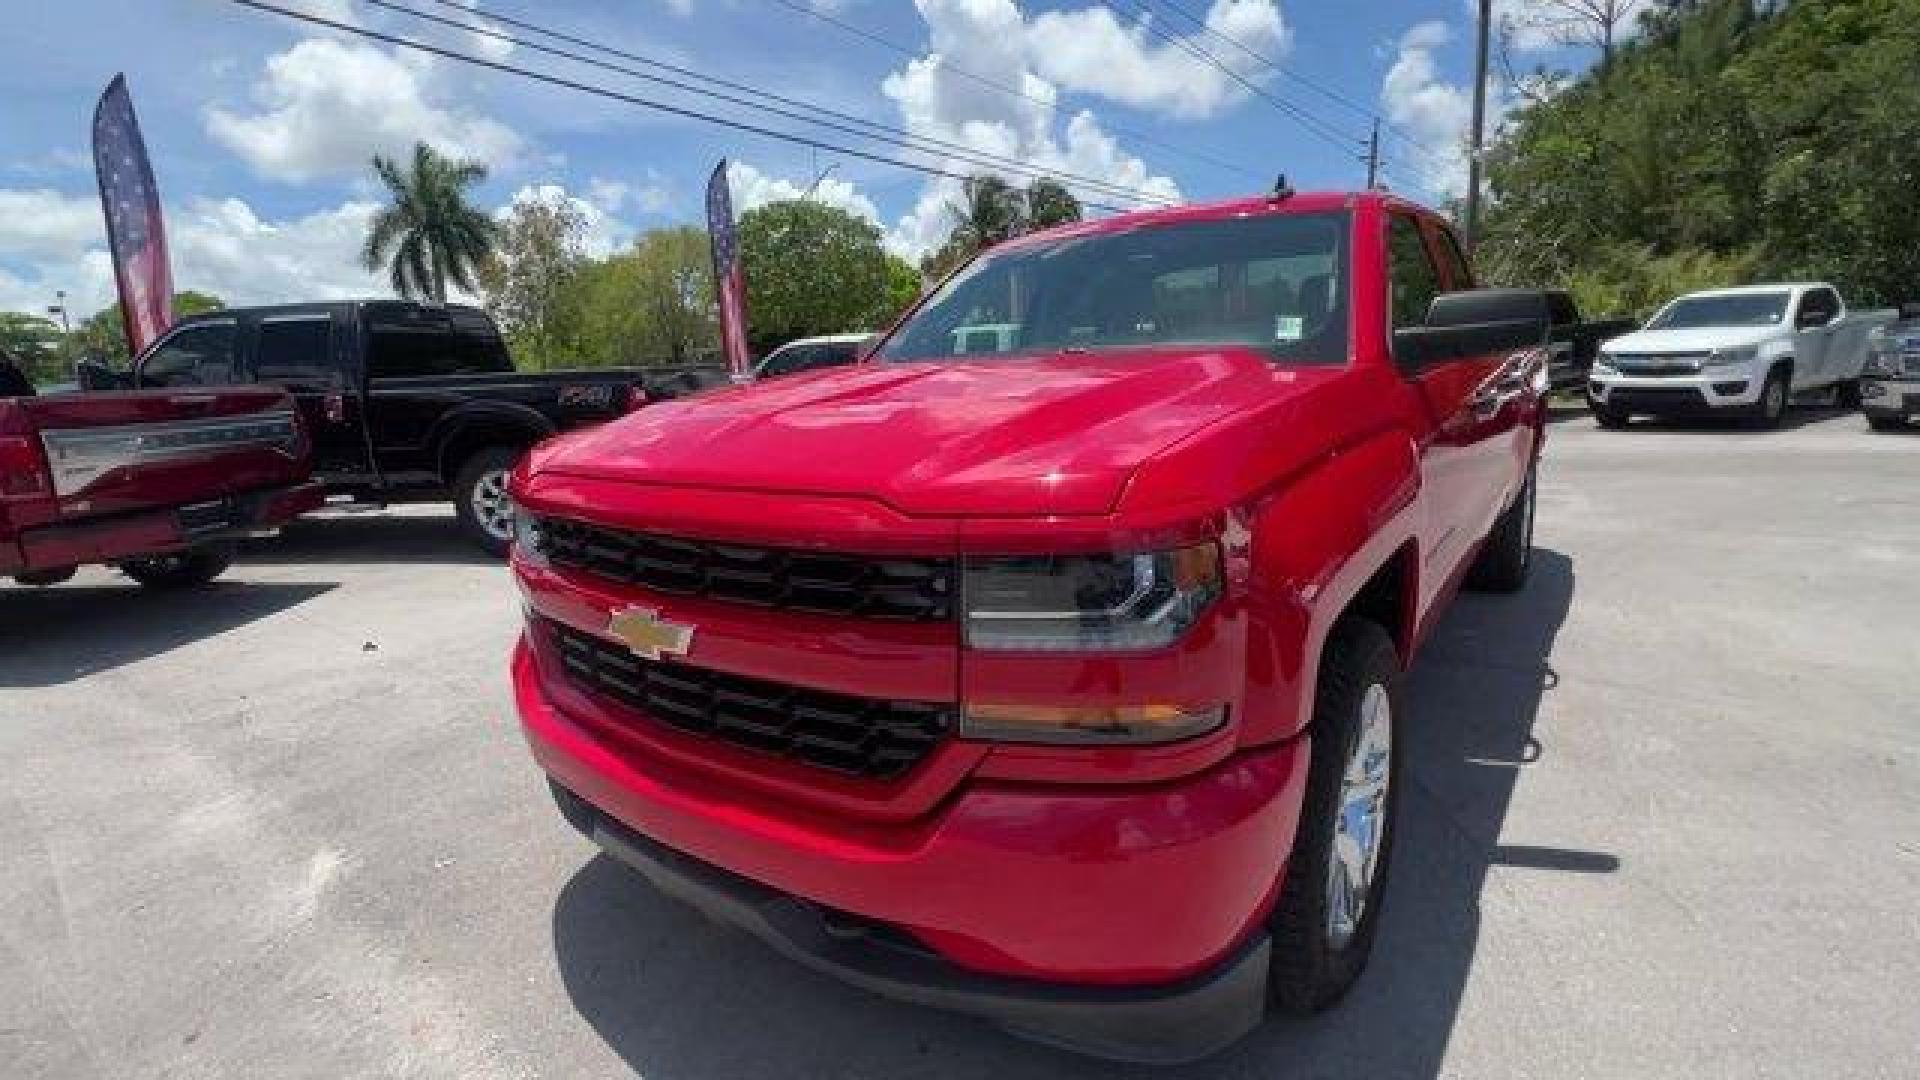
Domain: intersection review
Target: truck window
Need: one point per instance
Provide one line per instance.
(1275, 282)
(1819, 306)
(297, 351)
(1560, 309)
(1413, 279)
(200, 355)
(1455, 261)
(406, 342)
(477, 345)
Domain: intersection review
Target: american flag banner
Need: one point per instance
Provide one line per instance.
(729, 282)
(136, 236)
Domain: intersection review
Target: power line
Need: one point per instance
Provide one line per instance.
(1305, 119)
(1312, 84)
(614, 95)
(1012, 91)
(758, 97)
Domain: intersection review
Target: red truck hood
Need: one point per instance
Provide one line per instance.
(1041, 435)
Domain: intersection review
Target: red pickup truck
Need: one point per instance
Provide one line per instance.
(158, 483)
(1045, 665)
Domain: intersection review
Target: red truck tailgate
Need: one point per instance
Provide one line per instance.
(111, 453)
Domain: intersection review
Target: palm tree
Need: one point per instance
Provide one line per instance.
(1049, 203)
(989, 211)
(429, 235)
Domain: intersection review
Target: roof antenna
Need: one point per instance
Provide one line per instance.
(1282, 191)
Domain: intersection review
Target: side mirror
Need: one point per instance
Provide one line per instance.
(1474, 323)
(1910, 310)
(94, 375)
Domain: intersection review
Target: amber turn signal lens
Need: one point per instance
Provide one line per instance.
(1131, 725)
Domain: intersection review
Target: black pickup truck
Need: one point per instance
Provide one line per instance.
(406, 402)
(1573, 344)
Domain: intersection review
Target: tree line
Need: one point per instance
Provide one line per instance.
(1727, 142)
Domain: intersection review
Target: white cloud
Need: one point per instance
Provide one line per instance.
(653, 196)
(752, 188)
(995, 43)
(327, 106)
(1432, 111)
(1091, 50)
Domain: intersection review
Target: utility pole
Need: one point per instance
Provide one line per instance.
(1479, 124)
(1373, 156)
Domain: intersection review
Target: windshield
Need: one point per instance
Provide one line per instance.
(1744, 309)
(1276, 282)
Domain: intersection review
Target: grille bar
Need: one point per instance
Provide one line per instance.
(901, 589)
(864, 737)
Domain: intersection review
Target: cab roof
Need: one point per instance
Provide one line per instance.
(1303, 202)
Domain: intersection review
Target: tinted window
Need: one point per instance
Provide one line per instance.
(197, 356)
(787, 360)
(1277, 283)
(1458, 276)
(1738, 309)
(478, 347)
(297, 351)
(1821, 303)
(407, 342)
(1414, 280)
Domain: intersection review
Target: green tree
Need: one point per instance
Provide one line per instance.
(1728, 142)
(810, 269)
(650, 304)
(988, 211)
(903, 288)
(429, 234)
(103, 335)
(541, 249)
(34, 342)
(1049, 203)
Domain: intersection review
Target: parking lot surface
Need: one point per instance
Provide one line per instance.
(1663, 818)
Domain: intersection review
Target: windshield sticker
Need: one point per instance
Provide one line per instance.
(1288, 328)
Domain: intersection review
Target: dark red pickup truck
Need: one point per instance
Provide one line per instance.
(1045, 665)
(158, 483)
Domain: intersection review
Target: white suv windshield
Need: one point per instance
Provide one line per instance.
(1276, 282)
(1745, 309)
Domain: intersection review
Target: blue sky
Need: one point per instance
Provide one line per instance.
(260, 128)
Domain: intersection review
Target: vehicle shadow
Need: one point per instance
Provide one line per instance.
(1803, 414)
(368, 536)
(676, 996)
(62, 633)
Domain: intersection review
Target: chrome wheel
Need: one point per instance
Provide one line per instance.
(492, 509)
(1359, 822)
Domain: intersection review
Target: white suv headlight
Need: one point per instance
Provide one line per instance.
(1729, 357)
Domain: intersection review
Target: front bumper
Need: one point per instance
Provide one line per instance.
(1890, 397)
(125, 536)
(1121, 921)
(1717, 388)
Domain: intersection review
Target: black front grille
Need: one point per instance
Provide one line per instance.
(1657, 399)
(863, 737)
(907, 589)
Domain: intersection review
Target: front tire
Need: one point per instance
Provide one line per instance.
(1507, 556)
(480, 498)
(1775, 397)
(1329, 908)
(1887, 423)
(189, 569)
(1609, 418)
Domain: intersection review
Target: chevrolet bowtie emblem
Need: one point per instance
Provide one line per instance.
(648, 635)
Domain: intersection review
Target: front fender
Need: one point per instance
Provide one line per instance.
(1313, 545)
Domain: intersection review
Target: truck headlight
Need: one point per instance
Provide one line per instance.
(1088, 603)
(1730, 357)
(529, 540)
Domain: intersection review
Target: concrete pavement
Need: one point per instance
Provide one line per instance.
(1664, 818)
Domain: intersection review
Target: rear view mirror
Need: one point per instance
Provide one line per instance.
(1474, 323)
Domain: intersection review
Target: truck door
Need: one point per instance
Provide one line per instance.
(308, 353)
(1814, 322)
(1468, 436)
